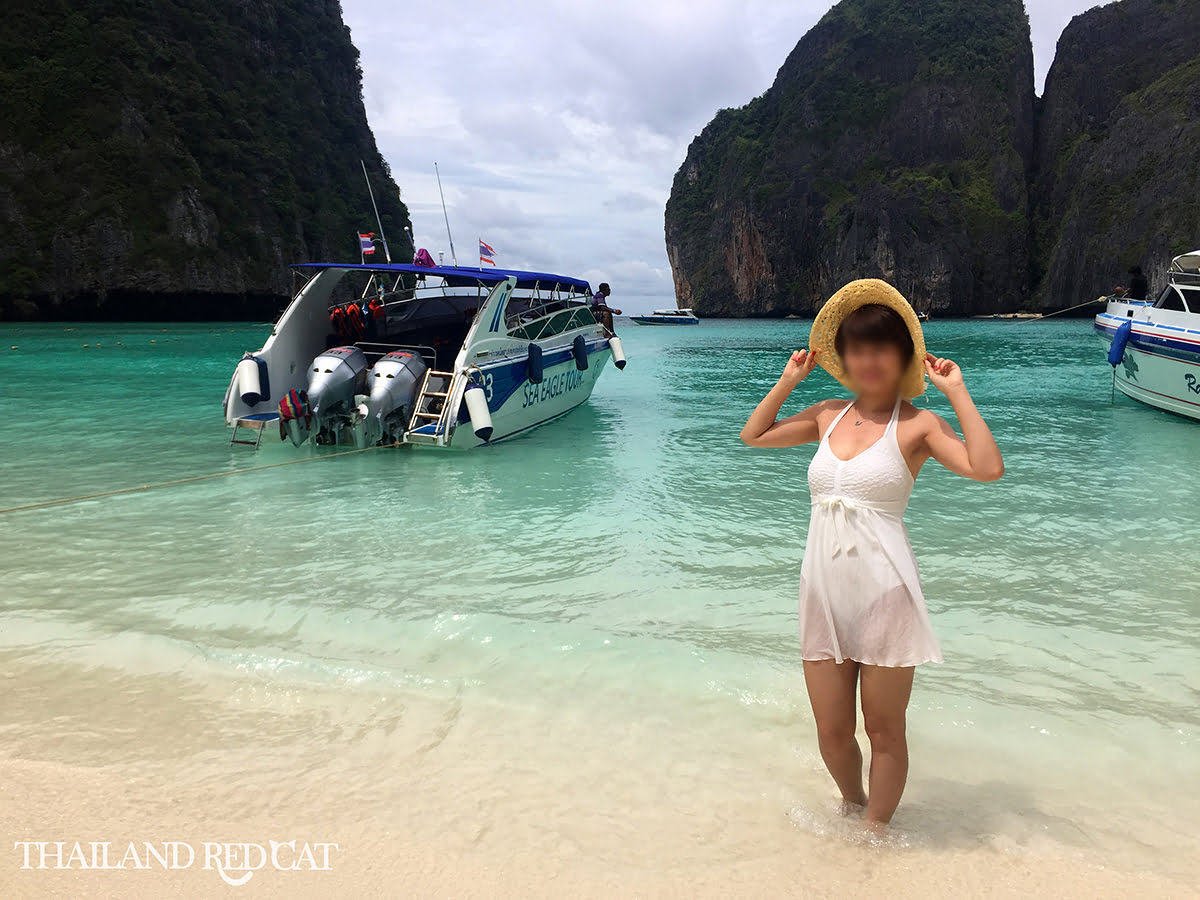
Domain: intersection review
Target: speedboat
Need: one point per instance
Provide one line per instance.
(437, 356)
(668, 317)
(1154, 346)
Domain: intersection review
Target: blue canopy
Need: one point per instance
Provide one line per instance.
(462, 276)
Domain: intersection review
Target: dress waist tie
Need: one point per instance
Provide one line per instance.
(839, 508)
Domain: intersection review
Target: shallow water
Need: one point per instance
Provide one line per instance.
(614, 593)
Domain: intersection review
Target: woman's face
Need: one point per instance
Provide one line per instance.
(873, 368)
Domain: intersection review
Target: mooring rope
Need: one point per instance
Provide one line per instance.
(161, 484)
(1023, 321)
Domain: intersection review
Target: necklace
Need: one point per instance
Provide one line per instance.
(857, 416)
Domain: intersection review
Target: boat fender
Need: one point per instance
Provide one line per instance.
(579, 349)
(253, 386)
(1116, 353)
(533, 368)
(618, 352)
(477, 408)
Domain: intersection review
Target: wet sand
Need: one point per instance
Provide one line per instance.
(450, 799)
(371, 860)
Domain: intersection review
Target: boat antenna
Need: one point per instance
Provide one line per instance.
(449, 236)
(378, 221)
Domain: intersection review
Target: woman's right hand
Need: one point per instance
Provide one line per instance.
(799, 367)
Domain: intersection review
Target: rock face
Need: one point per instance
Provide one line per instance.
(1118, 158)
(897, 141)
(174, 158)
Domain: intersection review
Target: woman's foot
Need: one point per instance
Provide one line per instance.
(875, 828)
(853, 807)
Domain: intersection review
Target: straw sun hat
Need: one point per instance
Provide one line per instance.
(847, 300)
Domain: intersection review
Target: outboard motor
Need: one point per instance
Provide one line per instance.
(335, 377)
(393, 383)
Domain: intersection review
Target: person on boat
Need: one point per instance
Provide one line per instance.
(864, 626)
(376, 320)
(604, 313)
(1139, 287)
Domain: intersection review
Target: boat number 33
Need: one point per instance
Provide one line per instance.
(1192, 383)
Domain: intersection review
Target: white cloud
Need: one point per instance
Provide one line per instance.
(559, 126)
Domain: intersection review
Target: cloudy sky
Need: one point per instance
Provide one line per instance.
(559, 125)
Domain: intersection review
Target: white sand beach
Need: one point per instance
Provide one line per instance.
(458, 799)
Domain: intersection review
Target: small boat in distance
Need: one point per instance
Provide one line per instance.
(440, 356)
(1154, 346)
(668, 317)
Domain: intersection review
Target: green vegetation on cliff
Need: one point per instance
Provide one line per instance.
(180, 147)
(896, 141)
(1118, 161)
(899, 140)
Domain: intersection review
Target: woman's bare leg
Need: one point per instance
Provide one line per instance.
(831, 688)
(885, 693)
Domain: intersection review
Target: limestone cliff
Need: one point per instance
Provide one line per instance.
(172, 158)
(896, 141)
(1118, 157)
(899, 140)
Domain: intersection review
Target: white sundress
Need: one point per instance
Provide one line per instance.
(860, 592)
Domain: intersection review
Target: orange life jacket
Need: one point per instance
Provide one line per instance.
(356, 325)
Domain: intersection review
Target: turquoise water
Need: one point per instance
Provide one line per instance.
(633, 562)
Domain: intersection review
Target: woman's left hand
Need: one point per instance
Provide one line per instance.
(944, 374)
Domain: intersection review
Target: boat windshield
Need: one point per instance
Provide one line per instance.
(548, 320)
(1180, 299)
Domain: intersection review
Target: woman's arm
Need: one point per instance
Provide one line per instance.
(975, 455)
(761, 429)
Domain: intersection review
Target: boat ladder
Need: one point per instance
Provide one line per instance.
(431, 413)
(257, 423)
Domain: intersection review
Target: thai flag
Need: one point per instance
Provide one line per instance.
(366, 244)
(486, 253)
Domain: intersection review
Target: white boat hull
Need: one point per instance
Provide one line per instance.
(679, 316)
(518, 405)
(1161, 364)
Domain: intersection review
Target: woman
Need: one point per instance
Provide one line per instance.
(863, 622)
